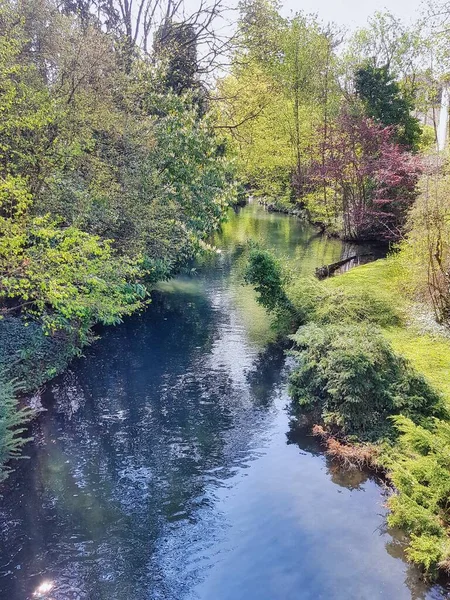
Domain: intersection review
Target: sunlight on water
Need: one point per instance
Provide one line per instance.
(43, 590)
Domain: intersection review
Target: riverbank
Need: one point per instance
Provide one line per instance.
(372, 299)
(284, 207)
(417, 337)
(28, 359)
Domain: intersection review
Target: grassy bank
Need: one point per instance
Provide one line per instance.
(415, 337)
(418, 461)
(416, 457)
(372, 367)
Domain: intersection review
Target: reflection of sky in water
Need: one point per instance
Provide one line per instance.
(162, 469)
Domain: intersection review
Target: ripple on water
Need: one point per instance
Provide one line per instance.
(167, 466)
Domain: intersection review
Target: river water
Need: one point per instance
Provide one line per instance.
(167, 465)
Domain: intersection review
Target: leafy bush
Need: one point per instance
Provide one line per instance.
(30, 356)
(62, 275)
(351, 374)
(419, 467)
(12, 426)
(265, 273)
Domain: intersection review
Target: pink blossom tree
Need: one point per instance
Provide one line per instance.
(373, 178)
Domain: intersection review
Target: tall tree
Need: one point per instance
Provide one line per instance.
(384, 101)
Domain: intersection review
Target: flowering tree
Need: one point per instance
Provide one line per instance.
(373, 178)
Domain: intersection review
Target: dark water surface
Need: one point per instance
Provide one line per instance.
(167, 468)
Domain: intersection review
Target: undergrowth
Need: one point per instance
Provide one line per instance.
(30, 356)
(355, 378)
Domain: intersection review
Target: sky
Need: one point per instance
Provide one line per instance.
(352, 13)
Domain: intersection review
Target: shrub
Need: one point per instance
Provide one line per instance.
(352, 376)
(30, 356)
(419, 467)
(12, 426)
(317, 301)
(265, 273)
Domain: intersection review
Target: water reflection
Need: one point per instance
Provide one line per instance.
(161, 467)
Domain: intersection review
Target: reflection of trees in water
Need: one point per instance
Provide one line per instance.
(286, 236)
(301, 422)
(139, 436)
(350, 478)
(395, 547)
(300, 427)
(267, 374)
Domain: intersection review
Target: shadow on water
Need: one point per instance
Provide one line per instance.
(161, 468)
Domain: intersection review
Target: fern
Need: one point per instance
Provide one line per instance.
(13, 422)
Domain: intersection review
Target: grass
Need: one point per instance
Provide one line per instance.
(428, 353)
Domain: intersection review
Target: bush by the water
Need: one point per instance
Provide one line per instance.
(12, 426)
(30, 356)
(317, 301)
(419, 467)
(265, 273)
(351, 375)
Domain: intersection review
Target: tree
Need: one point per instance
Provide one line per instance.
(176, 48)
(425, 253)
(281, 87)
(60, 275)
(96, 165)
(372, 178)
(387, 42)
(134, 24)
(384, 102)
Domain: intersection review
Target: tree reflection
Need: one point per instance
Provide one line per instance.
(141, 437)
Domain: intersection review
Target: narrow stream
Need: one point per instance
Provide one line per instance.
(167, 466)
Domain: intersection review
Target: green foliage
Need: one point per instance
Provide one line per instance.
(176, 51)
(111, 177)
(323, 303)
(348, 374)
(105, 181)
(29, 355)
(62, 275)
(356, 380)
(386, 41)
(12, 425)
(264, 272)
(419, 466)
(383, 101)
(275, 99)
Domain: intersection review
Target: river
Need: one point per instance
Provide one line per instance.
(167, 465)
